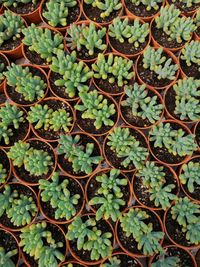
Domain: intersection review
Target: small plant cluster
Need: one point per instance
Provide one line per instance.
(5, 257)
(166, 261)
(177, 142)
(154, 60)
(113, 69)
(90, 238)
(141, 104)
(79, 155)
(95, 107)
(113, 262)
(178, 28)
(133, 224)
(57, 11)
(35, 161)
(3, 174)
(8, 3)
(190, 53)
(2, 68)
(10, 117)
(74, 74)
(127, 147)
(37, 241)
(19, 208)
(154, 178)
(123, 30)
(150, 4)
(109, 196)
(59, 196)
(89, 37)
(187, 99)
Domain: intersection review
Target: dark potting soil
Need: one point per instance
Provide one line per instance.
(8, 242)
(197, 133)
(4, 161)
(74, 188)
(183, 6)
(55, 105)
(112, 156)
(34, 57)
(17, 97)
(4, 61)
(198, 31)
(11, 44)
(126, 261)
(67, 166)
(23, 8)
(129, 242)
(190, 71)
(2, 98)
(142, 192)
(25, 175)
(21, 189)
(84, 254)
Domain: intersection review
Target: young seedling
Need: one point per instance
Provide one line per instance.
(8, 3)
(90, 238)
(3, 174)
(59, 196)
(109, 195)
(191, 53)
(166, 261)
(188, 3)
(5, 257)
(113, 262)
(150, 4)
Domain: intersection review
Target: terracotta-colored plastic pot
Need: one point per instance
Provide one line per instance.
(174, 59)
(1, 9)
(72, 262)
(6, 164)
(76, 176)
(63, 221)
(17, 229)
(83, 261)
(8, 64)
(37, 101)
(197, 125)
(116, 231)
(151, 260)
(124, 254)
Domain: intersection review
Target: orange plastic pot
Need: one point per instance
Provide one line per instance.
(124, 254)
(8, 167)
(8, 64)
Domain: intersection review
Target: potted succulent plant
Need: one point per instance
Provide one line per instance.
(187, 7)
(197, 133)
(197, 22)
(4, 63)
(120, 259)
(5, 167)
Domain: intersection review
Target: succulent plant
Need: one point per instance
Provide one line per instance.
(113, 68)
(109, 195)
(166, 261)
(190, 53)
(2, 68)
(154, 60)
(5, 133)
(30, 86)
(141, 104)
(61, 199)
(95, 107)
(43, 41)
(188, 3)
(113, 262)
(176, 142)
(61, 119)
(15, 3)
(3, 174)
(126, 146)
(11, 26)
(133, 224)
(186, 213)
(89, 37)
(79, 155)
(90, 238)
(150, 4)
(56, 12)
(107, 6)
(18, 153)
(135, 33)
(5, 257)
(75, 74)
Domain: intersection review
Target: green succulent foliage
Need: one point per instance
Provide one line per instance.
(133, 224)
(166, 261)
(79, 155)
(176, 142)
(56, 12)
(90, 238)
(15, 3)
(3, 174)
(59, 196)
(107, 6)
(90, 37)
(38, 242)
(190, 53)
(30, 86)
(154, 60)
(75, 74)
(11, 26)
(188, 3)
(5, 257)
(113, 262)
(5, 133)
(19, 208)
(95, 107)
(187, 98)
(2, 68)
(141, 104)
(113, 68)
(18, 153)
(109, 195)
(43, 41)
(186, 213)
(150, 4)
(197, 18)
(126, 146)
(122, 30)
(61, 119)
(177, 27)
(190, 175)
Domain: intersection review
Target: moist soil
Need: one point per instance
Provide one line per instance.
(126, 261)
(25, 175)
(11, 44)
(190, 71)
(24, 8)
(129, 243)
(197, 133)
(112, 156)
(8, 242)
(4, 61)
(34, 57)
(5, 162)
(74, 188)
(142, 192)
(67, 166)
(50, 134)
(2, 98)
(17, 97)
(21, 189)
(183, 6)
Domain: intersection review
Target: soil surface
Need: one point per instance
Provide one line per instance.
(5, 162)
(24, 8)
(126, 261)
(183, 6)
(34, 57)
(11, 44)
(197, 133)
(190, 71)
